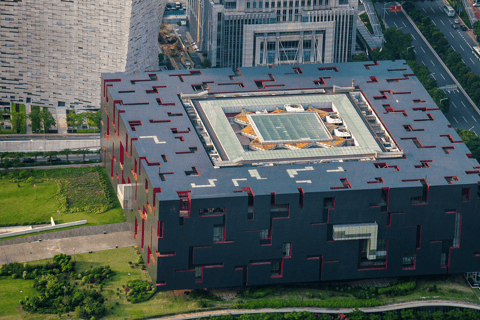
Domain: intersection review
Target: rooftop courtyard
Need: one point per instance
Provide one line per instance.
(289, 127)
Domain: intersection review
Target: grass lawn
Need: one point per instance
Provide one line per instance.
(452, 287)
(22, 204)
(117, 259)
(161, 303)
(44, 206)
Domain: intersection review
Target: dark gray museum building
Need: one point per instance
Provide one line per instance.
(289, 174)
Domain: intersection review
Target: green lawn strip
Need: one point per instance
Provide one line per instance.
(11, 292)
(366, 22)
(123, 262)
(83, 190)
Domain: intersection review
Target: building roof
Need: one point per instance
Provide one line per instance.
(151, 107)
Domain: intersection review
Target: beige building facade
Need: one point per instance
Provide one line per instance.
(54, 51)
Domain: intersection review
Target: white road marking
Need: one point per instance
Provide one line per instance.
(414, 51)
(472, 61)
(454, 105)
(423, 63)
(464, 119)
(413, 37)
(434, 22)
(463, 61)
(422, 49)
(453, 48)
(404, 24)
(463, 104)
(424, 10)
(442, 22)
(475, 133)
(432, 9)
(451, 34)
(433, 77)
(455, 119)
(395, 25)
(442, 76)
(461, 47)
(474, 118)
(432, 63)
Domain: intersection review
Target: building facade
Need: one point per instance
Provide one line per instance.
(54, 51)
(261, 33)
(286, 174)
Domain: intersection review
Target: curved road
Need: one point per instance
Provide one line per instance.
(390, 307)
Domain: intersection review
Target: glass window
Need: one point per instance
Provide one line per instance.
(286, 249)
(218, 234)
(264, 234)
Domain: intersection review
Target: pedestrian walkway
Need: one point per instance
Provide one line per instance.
(70, 233)
(45, 249)
(385, 308)
(372, 16)
(372, 41)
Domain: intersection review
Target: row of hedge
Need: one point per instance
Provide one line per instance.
(331, 303)
(405, 314)
(452, 59)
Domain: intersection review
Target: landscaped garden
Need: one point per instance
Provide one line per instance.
(119, 283)
(17, 120)
(33, 196)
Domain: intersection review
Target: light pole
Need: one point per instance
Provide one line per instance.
(407, 51)
(35, 187)
(444, 99)
(384, 8)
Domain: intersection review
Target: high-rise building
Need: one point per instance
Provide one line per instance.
(53, 51)
(264, 32)
(283, 174)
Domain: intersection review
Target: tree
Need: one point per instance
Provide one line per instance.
(3, 155)
(71, 118)
(35, 119)
(357, 315)
(95, 118)
(66, 152)
(47, 119)
(7, 164)
(359, 57)
(36, 154)
(206, 63)
(18, 121)
(50, 155)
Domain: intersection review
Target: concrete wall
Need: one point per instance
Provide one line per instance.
(47, 145)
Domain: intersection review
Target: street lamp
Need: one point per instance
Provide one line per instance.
(407, 51)
(444, 99)
(384, 8)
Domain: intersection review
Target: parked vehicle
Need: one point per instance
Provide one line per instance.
(54, 159)
(28, 160)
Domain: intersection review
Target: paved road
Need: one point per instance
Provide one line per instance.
(397, 306)
(460, 41)
(31, 251)
(462, 115)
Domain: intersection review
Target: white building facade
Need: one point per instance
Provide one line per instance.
(264, 32)
(54, 51)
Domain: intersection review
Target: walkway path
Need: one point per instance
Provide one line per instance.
(396, 306)
(44, 249)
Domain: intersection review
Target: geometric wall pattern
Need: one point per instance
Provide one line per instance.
(199, 225)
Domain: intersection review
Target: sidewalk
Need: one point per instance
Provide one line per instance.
(31, 251)
(397, 306)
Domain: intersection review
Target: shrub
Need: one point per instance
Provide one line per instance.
(399, 289)
(139, 291)
(331, 303)
(258, 292)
